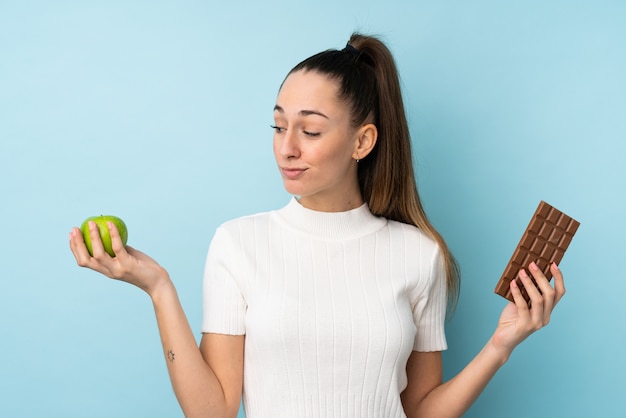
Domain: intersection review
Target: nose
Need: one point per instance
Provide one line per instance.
(286, 144)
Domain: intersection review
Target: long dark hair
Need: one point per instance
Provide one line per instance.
(370, 85)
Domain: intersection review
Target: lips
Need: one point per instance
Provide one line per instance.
(292, 173)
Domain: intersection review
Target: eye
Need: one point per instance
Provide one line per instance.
(277, 129)
(312, 134)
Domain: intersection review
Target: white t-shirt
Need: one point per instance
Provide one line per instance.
(332, 304)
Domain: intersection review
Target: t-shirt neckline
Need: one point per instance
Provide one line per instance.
(351, 224)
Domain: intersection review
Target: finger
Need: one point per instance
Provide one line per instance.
(81, 254)
(116, 240)
(559, 283)
(100, 260)
(520, 302)
(97, 248)
(78, 247)
(536, 300)
(546, 290)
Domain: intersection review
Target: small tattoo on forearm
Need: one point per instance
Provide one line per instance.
(170, 356)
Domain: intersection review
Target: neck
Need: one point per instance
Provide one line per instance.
(341, 204)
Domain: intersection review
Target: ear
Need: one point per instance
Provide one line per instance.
(366, 137)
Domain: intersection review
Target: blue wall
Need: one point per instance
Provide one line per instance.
(159, 112)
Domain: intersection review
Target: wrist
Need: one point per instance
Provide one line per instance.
(500, 354)
(161, 287)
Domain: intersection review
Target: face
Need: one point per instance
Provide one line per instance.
(315, 145)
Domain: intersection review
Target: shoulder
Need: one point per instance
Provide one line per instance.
(235, 238)
(412, 237)
(422, 255)
(246, 221)
(246, 228)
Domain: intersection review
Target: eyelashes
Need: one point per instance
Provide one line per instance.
(310, 134)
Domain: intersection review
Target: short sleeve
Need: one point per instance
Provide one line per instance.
(429, 305)
(224, 305)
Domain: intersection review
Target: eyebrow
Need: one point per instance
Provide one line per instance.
(277, 108)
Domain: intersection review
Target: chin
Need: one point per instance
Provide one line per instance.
(292, 189)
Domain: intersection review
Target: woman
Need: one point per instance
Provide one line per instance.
(335, 304)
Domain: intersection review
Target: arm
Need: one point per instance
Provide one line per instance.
(207, 381)
(427, 396)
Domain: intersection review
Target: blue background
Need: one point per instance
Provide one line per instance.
(159, 112)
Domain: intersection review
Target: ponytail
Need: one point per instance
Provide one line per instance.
(369, 83)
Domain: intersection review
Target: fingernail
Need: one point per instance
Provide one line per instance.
(555, 266)
(92, 225)
(523, 273)
(514, 283)
(533, 266)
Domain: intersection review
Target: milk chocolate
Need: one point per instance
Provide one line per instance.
(545, 240)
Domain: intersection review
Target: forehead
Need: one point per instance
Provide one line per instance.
(308, 90)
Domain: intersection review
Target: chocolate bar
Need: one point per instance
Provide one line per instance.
(545, 240)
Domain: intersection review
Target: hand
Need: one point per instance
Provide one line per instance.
(129, 265)
(518, 320)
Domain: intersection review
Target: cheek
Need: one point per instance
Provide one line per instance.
(275, 148)
(333, 164)
(340, 154)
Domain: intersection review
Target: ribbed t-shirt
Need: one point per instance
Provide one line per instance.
(331, 304)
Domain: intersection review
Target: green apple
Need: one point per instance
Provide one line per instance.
(101, 223)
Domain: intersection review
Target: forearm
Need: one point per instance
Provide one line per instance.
(196, 386)
(454, 397)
